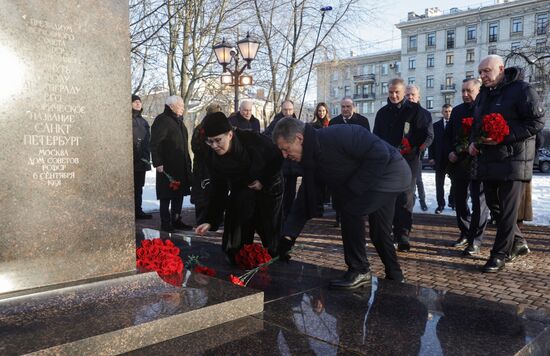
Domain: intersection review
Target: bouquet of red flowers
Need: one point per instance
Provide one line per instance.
(205, 270)
(495, 127)
(467, 123)
(160, 256)
(251, 256)
(405, 146)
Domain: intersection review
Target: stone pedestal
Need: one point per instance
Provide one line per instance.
(66, 132)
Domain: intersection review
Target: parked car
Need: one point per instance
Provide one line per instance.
(542, 160)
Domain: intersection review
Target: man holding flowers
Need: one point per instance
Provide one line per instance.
(507, 116)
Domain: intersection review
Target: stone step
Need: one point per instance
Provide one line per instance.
(119, 315)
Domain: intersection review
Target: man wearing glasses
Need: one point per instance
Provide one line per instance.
(247, 165)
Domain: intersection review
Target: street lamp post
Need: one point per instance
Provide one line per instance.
(226, 53)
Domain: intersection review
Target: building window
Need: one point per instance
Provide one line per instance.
(411, 80)
(430, 39)
(397, 67)
(515, 46)
(347, 73)
(450, 39)
(347, 91)
(430, 61)
(449, 58)
(369, 109)
(334, 92)
(334, 76)
(540, 46)
(430, 81)
(541, 24)
(493, 32)
(470, 55)
(384, 69)
(412, 42)
(492, 50)
(384, 88)
(429, 102)
(517, 25)
(471, 33)
(470, 75)
(448, 81)
(448, 99)
(412, 63)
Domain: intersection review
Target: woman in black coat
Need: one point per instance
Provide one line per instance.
(170, 153)
(248, 165)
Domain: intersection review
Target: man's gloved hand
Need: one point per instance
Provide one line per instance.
(284, 246)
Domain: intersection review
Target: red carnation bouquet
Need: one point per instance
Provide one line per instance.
(251, 256)
(467, 124)
(405, 146)
(495, 127)
(162, 257)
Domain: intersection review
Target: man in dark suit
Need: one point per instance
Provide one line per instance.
(438, 158)
(349, 116)
(365, 175)
(243, 119)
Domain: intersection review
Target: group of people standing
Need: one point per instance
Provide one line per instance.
(247, 179)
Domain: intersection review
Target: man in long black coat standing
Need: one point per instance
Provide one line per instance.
(398, 120)
(243, 119)
(170, 153)
(141, 135)
(504, 167)
(349, 116)
(365, 175)
(472, 226)
(438, 158)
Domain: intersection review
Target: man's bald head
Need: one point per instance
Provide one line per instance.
(491, 70)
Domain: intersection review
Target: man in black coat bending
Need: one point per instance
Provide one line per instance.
(141, 136)
(170, 153)
(504, 167)
(365, 175)
(401, 119)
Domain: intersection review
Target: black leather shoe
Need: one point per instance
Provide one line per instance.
(142, 216)
(518, 250)
(423, 205)
(398, 280)
(461, 242)
(180, 225)
(439, 209)
(403, 244)
(351, 280)
(493, 265)
(471, 250)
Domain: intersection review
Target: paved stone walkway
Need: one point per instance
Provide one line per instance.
(433, 263)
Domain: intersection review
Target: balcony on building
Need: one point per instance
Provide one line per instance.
(364, 96)
(364, 78)
(448, 88)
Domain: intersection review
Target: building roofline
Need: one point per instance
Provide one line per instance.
(393, 52)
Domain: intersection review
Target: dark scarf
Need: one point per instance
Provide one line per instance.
(235, 164)
(310, 156)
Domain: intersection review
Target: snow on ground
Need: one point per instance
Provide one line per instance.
(540, 186)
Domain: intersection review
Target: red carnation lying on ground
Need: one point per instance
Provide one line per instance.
(405, 147)
(160, 256)
(495, 127)
(205, 270)
(251, 256)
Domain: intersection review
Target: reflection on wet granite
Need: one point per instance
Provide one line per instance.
(246, 336)
(119, 315)
(397, 319)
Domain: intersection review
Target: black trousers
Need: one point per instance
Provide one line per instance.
(402, 220)
(420, 184)
(440, 188)
(379, 207)
(472, 226)
(508, 195)
(289, 193)
(139, 182)
(250, 211)
(170, 209)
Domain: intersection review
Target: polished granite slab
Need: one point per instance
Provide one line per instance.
(386, 318)
(119, 315)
